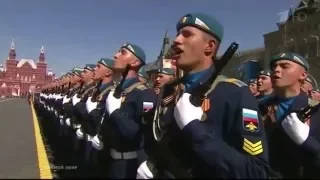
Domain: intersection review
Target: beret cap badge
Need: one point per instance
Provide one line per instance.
(184, 19)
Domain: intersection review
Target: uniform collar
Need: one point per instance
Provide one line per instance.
(104, 86)
(301, 101)
(195, 79)
(128, 82)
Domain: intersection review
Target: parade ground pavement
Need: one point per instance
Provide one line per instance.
(22, 151)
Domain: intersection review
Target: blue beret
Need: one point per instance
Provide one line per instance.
(137, 51)
(203, 22)
(142, 73)
(90, 67)
(290, 57)
(66, 75)
(254, 81)
(264, 72)
(309, 80)
(77, 71)
(167, 71)
(106, 62)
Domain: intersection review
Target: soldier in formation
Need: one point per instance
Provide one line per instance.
(264, 85)
(108, 120)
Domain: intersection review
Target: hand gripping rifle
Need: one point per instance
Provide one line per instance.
(118, 90)
(307, 112)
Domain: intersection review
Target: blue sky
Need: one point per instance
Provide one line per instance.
(76, 32)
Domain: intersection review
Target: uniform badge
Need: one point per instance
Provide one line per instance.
(147, 106)
(184, 19)
(253, 148)
(250, 120)
(205, 105)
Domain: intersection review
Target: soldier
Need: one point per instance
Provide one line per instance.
(95, 106)
(164, 75)
(253, 87)
(124, 133)
(264, 85)
(82, 141)
(223, 138)
(293, 144)
(68, 110)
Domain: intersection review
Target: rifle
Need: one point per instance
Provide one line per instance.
(118, 90)
(307, 112)
(96, 91)
(199, 94)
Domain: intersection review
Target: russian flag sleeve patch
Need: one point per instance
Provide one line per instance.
(147, 106)
(250, 120)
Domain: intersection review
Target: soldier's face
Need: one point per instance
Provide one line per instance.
(87, 75)
(75, 79)
(253, 88)
(189, 48)
(162, 79)
(286, 74)
(306, 86)
(100, 71)
(313, 95)
(122, 58)
(264, 83)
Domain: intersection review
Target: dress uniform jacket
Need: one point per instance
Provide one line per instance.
(228, 143)
(286, 157)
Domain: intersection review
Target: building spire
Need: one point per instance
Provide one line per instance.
(12, 52)
(12, 45)
(42, 50)
(42, 58)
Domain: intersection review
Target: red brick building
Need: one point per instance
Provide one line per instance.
(19, 77)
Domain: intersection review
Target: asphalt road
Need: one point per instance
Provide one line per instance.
(18, 152)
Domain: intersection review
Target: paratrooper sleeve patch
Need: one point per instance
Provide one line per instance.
(251, 147)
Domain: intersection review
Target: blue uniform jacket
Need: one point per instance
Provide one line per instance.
(229, 143)
(124, 126)
(95, 116)
(286, 157)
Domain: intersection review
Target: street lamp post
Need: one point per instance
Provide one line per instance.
(317, 38)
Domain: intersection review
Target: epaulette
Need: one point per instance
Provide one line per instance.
(237, 82)
(312, 102)
(142, 87)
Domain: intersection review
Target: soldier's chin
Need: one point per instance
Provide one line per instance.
(182, 65)
(279, 85)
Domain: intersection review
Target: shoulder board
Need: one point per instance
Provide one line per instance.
(236, 82)
(142, 87)
(312, 102)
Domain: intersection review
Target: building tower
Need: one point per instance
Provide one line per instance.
(41, 67)
(11, 62)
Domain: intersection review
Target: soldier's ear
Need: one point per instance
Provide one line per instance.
(135, 63)
(303, 76)
(210, 46)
